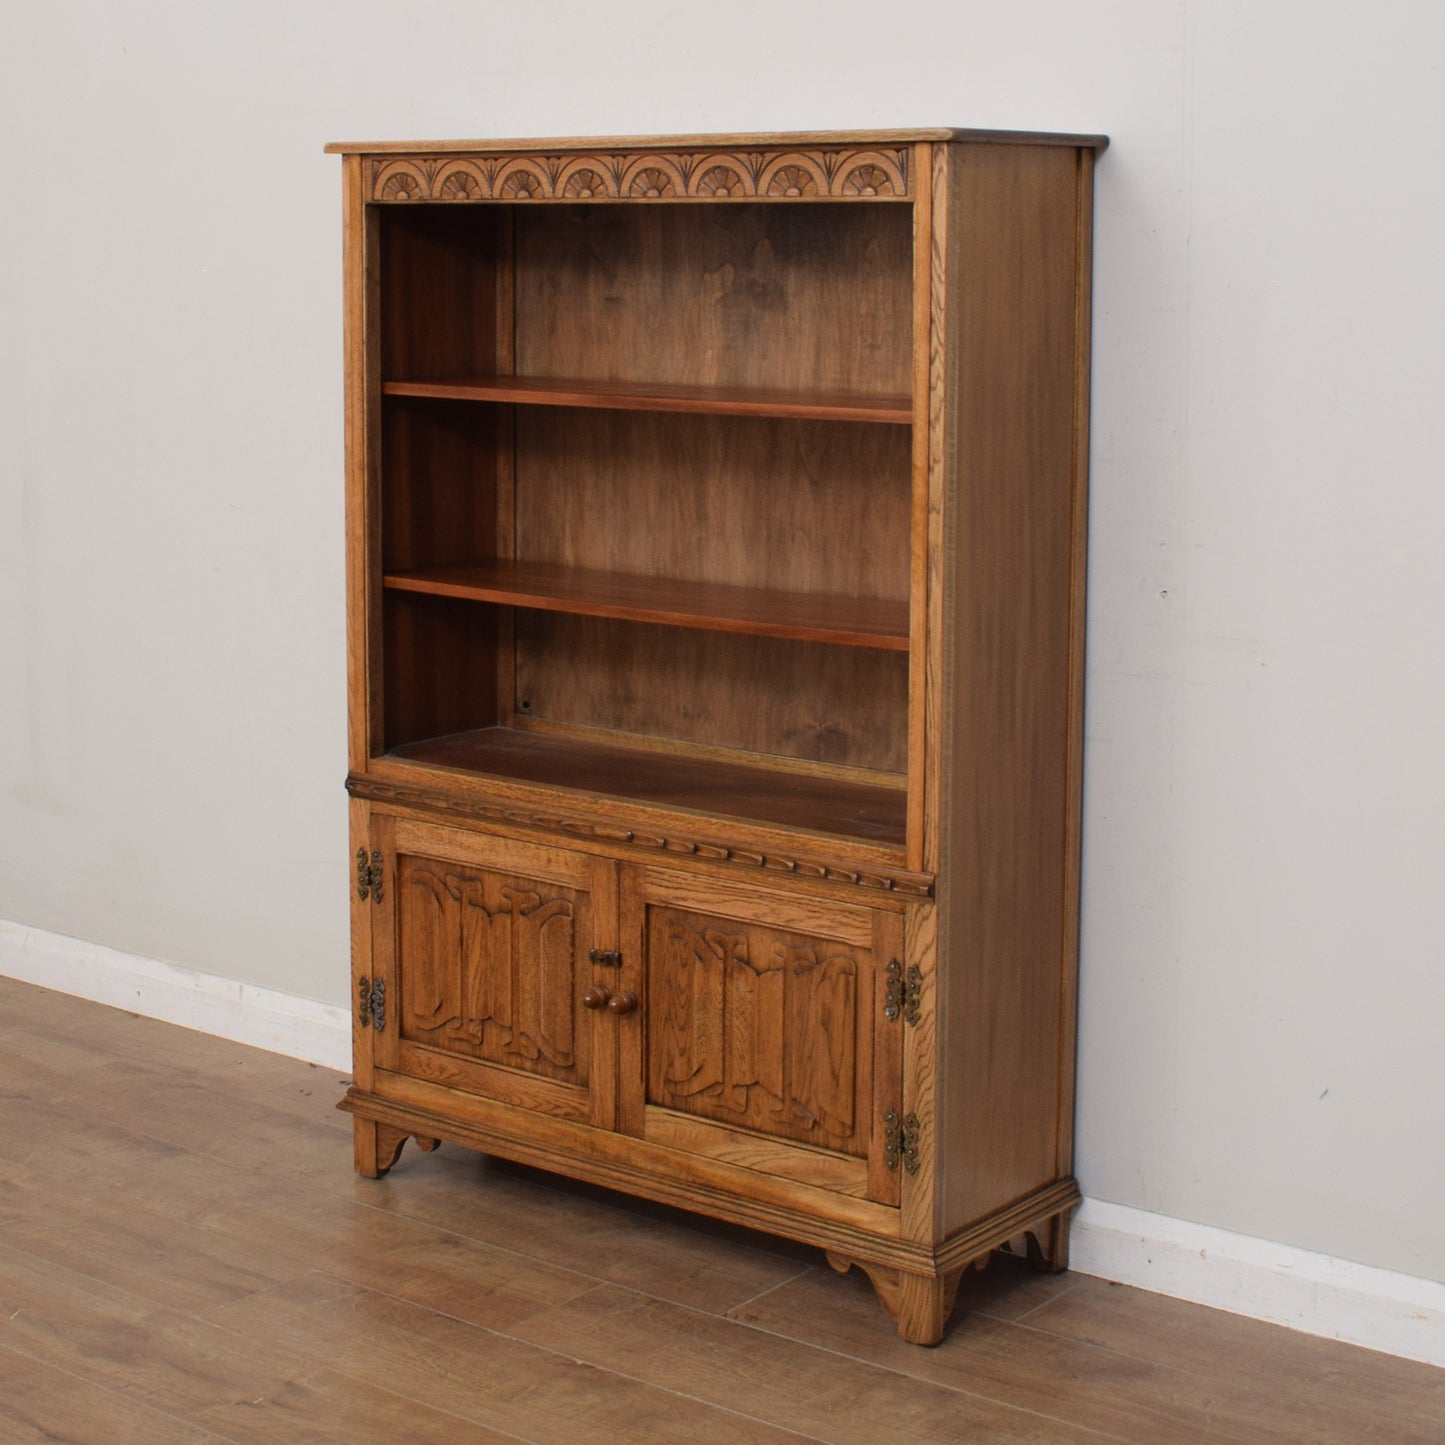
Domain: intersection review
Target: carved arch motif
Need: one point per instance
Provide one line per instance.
(401, 181)
(586, 179)
(722, 178)
(652, 182)
(460, 181)
(836, 174)
(869, 174)
(524, 179)
(794, 175)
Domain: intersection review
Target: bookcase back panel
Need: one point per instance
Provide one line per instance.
(716, 499)
(718, 294)
(766, 695)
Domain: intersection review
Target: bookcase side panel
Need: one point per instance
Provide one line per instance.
(1011, 569)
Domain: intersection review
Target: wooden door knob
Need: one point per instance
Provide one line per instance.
(622, 1003)
(597, 997)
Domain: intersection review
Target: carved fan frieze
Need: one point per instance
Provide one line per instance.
(823, 174)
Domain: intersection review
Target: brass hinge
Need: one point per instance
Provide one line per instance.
(900, 1141)
(371, 1003)
(904, 993)
(368, 876)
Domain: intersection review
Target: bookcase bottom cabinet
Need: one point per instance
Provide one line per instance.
(733, 1046)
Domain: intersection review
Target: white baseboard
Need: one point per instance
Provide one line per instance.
(1277, 1283)
(243, 1012)
(1377, 1308)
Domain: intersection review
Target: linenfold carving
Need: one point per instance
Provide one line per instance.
(493, 963)
(755, 1027)
(823, 174)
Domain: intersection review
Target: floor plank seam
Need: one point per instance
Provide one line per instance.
(1042, 1304)
(319, 1360)
(199, 1318)
(501, 1332)
(1081, 1362)
(727, 1314)
(119, 1394)
(515, 1253)
(924, 1379)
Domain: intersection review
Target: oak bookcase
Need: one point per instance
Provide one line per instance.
(716, 515)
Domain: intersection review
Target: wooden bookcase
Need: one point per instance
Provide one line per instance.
(715, 594)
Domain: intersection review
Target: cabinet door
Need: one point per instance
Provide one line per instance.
(486, 963)
(761, 1038)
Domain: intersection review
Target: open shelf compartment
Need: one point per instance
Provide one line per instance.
(821, 804)
(644, 479)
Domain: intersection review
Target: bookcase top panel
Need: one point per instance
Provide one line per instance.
(812, 166)
(771, 140)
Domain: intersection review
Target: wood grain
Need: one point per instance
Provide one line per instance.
(813, 1391)
(180, 1365)
(655, 177)
(1284, 1385)
(718, 607)
(759, 1028)
(1122, 1394)
(921, 626)
(728, 500)
(573, 1226)
(797, 298)
(1011, 663)
(363, 694)
(823, 805)
(720, 141)
(763, 700)
(439, 667)
(438, 300)
(1074, 779)
(740, 504)
(703, 1331)
(655, 396)
(39, 1402)
(531, 1392)
(796, 1209)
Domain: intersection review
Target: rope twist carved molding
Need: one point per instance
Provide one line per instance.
(826, 174)
(912, 885)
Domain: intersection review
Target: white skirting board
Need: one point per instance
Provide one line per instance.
(1278, 1283)
(280, 1022)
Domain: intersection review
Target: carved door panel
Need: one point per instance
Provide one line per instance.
(487, 963)
(762, 1038)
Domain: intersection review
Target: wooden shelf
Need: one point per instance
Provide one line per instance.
(724, 789)
(714, 607)
(658, 396)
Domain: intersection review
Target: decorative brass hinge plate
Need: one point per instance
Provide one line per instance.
(368, 876)
(900, 1141)
(904, 993)
(371, 1003)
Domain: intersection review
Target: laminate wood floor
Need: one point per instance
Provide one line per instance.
(186, 1255)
